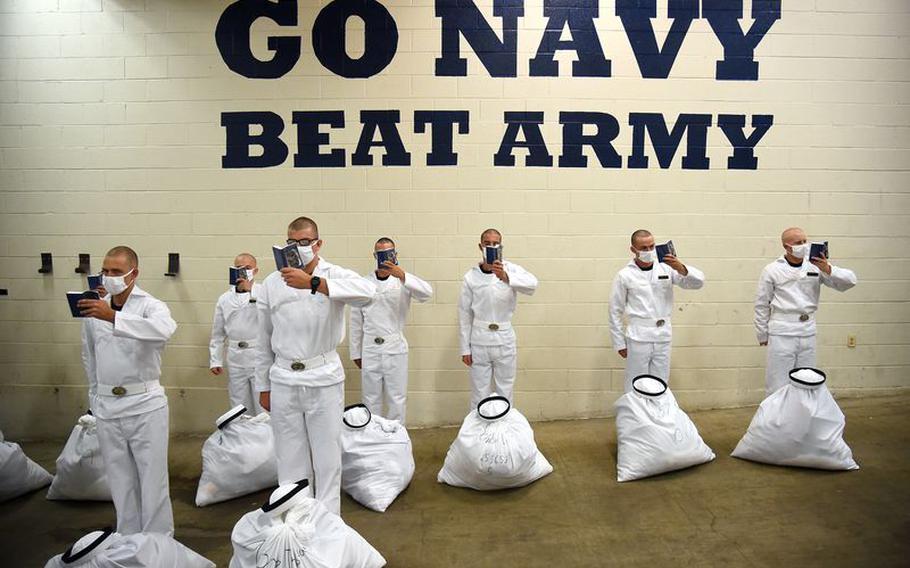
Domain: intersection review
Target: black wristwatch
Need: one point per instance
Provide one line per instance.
(314, 284)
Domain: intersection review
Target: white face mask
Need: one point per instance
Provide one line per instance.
(800, 251)
(115, 284)
(306, 254)
(646, 256)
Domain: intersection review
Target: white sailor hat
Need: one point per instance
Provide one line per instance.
(649, 386)
(493, 407)
(88, 547)
(356, 416)
(229, 416)
(807, 377)
(285, 497)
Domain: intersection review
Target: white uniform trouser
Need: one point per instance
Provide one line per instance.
(241, 389)
(786, 353)
(307, 422)
(388, 374)
(492, 370)
(647, 358)
(134, 449)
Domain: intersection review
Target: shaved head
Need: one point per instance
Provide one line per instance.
(245, 258)
(301, 223)
(489, 232)
(793, 235)
(132, 259)
(639, 234)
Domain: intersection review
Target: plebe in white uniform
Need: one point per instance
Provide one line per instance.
(799, 424)
(293, 529)
(653, 434)
(377, 339)
(236, 323)
(645, 298)
(298, 335)
(377, 458)
(123, 364)
(485, 310)
(19, 474)
(107, 549)
(80, 467)
(494, 449)
(785, 307)
(238, 458)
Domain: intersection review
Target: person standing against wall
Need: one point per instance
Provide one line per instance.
(643, 292)
(123, 336)
(489, 295)
(378, 345)
(786, 302)
(299, 373)
(237, 323)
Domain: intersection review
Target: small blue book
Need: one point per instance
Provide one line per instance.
(74, 297)
(665, 249)
(286, 256)
(94, 281)
(492, 254)
(235, 274)
(818, 250)
(384, 255)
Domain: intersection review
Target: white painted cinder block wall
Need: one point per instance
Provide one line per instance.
(110, 134)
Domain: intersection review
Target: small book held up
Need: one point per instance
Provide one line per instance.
(818, 250)
(235, 274)
(74, 297)
(665, 249)
(94, 281)
(384, 255)
(492, 254)
(286, 256)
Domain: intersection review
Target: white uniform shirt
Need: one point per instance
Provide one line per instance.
(644, 297)
(297, 325)
(386, 314)
(790, 291)
(486, 298)
(127, 352)
(236, 319)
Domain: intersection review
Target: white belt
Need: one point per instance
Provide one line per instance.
(241, 344)
(301, 365)
(381, 339)
(493, 325)
(649, 322)
(126, 390)
(786, 316)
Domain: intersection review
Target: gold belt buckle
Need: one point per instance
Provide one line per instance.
(803, 317)
(297, 366)
(243, 345)
(660, 323)
(118, 391)
(494, 327)
(379, 341)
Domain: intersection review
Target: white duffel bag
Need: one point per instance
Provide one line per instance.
(80, 468)
(494, 449)
(108, 549)
(18, 474)
(238, 458)
(653, 434)
(377, 462)
(293, 529)
(799, 424)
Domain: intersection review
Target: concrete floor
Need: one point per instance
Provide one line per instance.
(726, 513)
